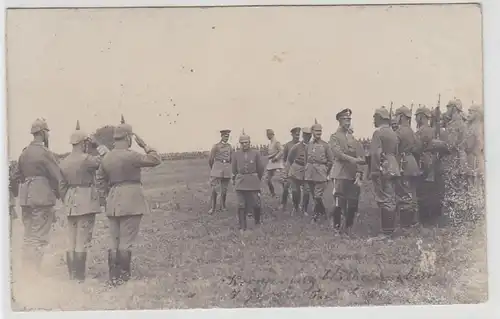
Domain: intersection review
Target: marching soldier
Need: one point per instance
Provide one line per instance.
(41, 184)
(286, 151)
(319, 161)
(347, 172)
(406, 186)
(247, 169)
(81, 202)
(297, 161)
(454, 165)
(119, 183)
(475, 159)
(384, 169)
(275, 163)
(220, 170)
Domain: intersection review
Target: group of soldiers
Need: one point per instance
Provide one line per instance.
(433, 176)
(90, 180)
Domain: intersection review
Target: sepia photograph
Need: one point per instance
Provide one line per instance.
(246, 157)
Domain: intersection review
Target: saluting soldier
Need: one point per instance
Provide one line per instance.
(81, 202)
(297, 162)
(384, 169)
(319, 161)
(220, 170)
(406, 186)
(248, 170)
(475, 159)
(347, 172)
(119, 182)
(41, 184)
(275, 163)
(286, 151)
(455, 204)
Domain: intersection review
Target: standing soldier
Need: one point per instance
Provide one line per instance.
(275, 163)
(406, 186)
(297, 162)
(286, 151)
(475, 160)
(454, 165)
(81, 202)
(319, 161)
(384, 169)
(220, 170)
(41, 184)
(119, 183)
(13, 190)
(247, 170)
(347, 172)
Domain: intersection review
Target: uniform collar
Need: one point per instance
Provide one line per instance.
(37, 143)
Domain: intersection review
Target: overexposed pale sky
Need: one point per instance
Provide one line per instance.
(179, 75)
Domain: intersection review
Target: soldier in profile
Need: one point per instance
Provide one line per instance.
(41, 184)
(220, 170)
(81, 202)
(119, 184)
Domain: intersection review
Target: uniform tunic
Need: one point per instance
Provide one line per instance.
(247, 170)
(220, 166)
(13, 189)
(286, 152)
(42, 182)
(275, 151)
(474, 149)
(119, 178)
(297, 162)
(319, 161)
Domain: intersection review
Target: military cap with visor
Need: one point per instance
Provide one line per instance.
(306, 130)
(344, 114)
(225, 132)
(295, 130)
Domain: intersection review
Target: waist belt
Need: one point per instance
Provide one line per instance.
(406, 154)
(300, 163)
(32, 178)
(223, 161)
(80, 185)
(247, 173)
(125, 183)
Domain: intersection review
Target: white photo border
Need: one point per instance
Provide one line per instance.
(491, 97)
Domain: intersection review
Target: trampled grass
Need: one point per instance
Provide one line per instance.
(185, 258)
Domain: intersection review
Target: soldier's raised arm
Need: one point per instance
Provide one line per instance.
(337, 151)
(150, 159)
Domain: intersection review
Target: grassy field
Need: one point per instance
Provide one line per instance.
(185, 258)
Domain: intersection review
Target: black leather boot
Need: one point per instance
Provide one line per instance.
(242, 218)
(80, 265)
(256, 215)
(113, 267)
(337, 218)
(70, 262)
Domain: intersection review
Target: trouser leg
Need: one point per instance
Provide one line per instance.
(38, 223)
(242, 205)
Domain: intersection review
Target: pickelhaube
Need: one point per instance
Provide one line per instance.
(78, 135)
(404, 110)
(316, 126)
(122, 130)
(383, 113)
(423, 110)
(244, 137)
(39, 125)
(476, 108)
(456, 103)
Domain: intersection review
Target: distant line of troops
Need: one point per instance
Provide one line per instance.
(414, 175)
(429, 177)
(91, 179)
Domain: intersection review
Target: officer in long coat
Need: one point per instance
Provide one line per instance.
(319, 161)
(406, 186)
(275, 160)
(220, 170)
(297, 162)
(347, 172)
(474, 148)
(384, 170)
(295, 132)
(41, 184)
(119, 182)
(247, 169)
(81, 202)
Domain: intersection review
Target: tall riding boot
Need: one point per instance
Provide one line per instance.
(256, 215)
(405, 217)
(80, 265)
(319, 209)
(242, 218)
(337, 218)
(213, 202)
(223, 200)
(284, 197)
(305, 203)
(271, 188)
(125, 259)
(296, 201)
(114, 267)
(388, 219)
(349, 219)
(70, 262)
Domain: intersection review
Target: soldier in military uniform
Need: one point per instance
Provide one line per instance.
(297, 162)
(286, 151)
(13, 190)
(455, 198)
(319, 161)
(384, 169)
(275, 163)
(119, 183)
(474, 148)
(81, 202)
(247, 172)
(406, 186)
(220, 170)
(41, 184)
(394, 124)
(347, 172)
